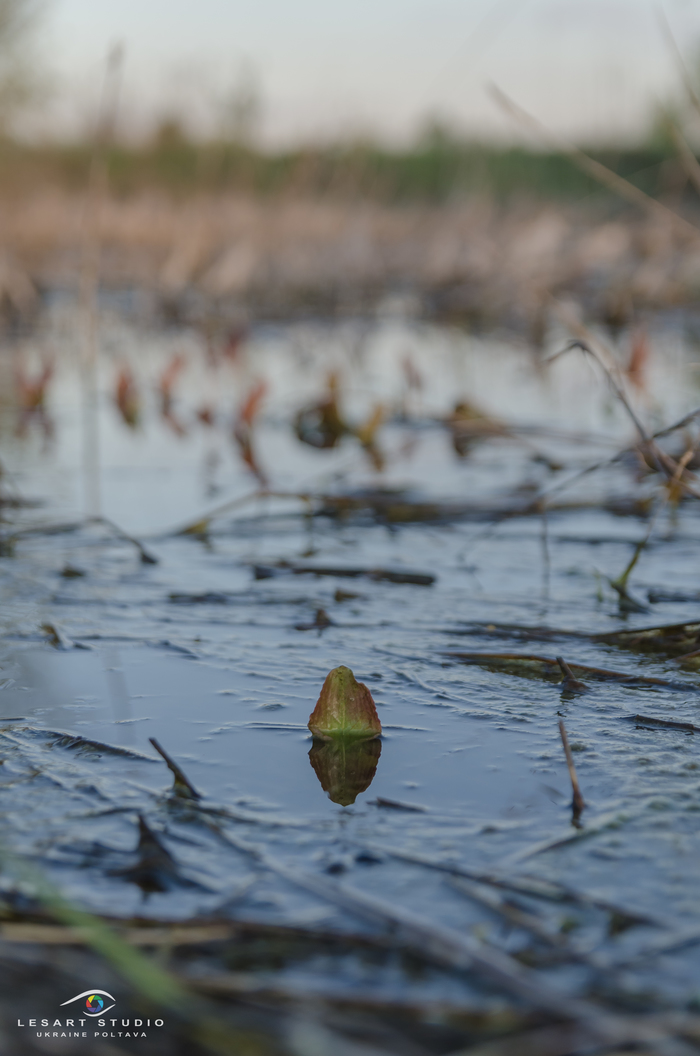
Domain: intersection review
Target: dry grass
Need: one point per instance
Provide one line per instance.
(470, 260)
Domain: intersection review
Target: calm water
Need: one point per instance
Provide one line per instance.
(198, 653)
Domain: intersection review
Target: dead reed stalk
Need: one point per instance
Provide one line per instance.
(89, 282)
(577, 803)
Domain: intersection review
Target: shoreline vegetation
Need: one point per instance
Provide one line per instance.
(474, 235)
(436, 169)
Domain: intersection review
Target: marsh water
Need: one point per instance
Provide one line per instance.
(218, 650)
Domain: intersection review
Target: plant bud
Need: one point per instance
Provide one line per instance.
(344, 709)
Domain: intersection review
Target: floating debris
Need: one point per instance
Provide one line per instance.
(420, 579)
(321, 425)
(659, 595)
(669, 724)
(469, 426)
(86, 746)
(127, 398)
(344, 595)
(167, 380)
(209, 597)
(71, 572)
(671, 640)
(529, 665)
(395, 804)
(243, 430)
(319, 623)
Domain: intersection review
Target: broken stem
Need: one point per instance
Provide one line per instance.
(663, 462)
(147, 558)
(577, 803)
(594, 168)
(182, 786)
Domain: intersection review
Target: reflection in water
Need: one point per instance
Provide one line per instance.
(345, 766)
(118, 694)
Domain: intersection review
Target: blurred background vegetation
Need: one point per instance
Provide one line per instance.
(441, 163)
(436, 169)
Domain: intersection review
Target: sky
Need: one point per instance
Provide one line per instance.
(589, 69)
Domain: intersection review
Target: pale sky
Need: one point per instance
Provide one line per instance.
(325, 69)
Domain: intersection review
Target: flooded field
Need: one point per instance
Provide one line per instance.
(445, 514)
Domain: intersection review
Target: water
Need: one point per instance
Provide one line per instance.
(196, 652)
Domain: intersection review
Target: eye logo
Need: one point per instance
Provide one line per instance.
(95, 1001)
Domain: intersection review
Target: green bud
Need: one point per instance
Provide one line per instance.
(344, 709)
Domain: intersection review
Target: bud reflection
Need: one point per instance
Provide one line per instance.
(345, 766)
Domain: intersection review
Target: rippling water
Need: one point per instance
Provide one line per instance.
(224, 668)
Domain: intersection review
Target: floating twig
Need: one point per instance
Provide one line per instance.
(395, 804)
(201, 525)
(679, 640)
(319, 623)
(668, 724)
(530, 665)
(657, 595)
(420, 579)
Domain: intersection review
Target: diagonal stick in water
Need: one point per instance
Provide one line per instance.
(577, 803)
(181, 784)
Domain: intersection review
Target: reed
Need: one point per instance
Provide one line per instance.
(472, 262)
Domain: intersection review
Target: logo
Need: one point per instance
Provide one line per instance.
(95, 1002)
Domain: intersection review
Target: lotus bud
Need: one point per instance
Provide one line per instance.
(344, 709)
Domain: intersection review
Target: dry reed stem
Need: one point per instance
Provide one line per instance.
(89, 284)
(181, 783)
(688, 159)
(595, 169)
(586, 341)
(263, 254)
(578, 803)
(678, 59)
